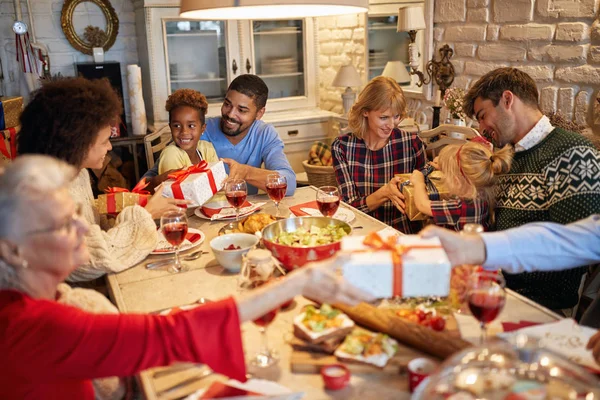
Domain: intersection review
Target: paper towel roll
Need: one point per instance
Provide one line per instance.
(136, 100)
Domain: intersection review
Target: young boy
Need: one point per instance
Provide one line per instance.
(187, 111)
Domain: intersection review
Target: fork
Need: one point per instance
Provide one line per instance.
(189, 257)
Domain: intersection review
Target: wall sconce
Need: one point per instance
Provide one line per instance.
(397, 71)
(347, 76)
(411, 19)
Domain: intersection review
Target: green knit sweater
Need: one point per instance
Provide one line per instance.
(557, 180)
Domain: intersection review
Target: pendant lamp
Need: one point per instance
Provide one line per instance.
(269, 9)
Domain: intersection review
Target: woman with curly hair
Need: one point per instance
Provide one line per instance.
(71, 119)
(187, 112)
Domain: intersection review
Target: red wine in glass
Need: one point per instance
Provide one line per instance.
(175, 232)
(266, 319)
(276, 191)
(236, 198)
(328, 205)
(485, 307)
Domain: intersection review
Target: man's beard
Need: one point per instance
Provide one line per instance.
(228, 132)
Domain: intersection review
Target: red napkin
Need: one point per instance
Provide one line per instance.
(209, 212)
(513, 326)
(219, 390)
(192, 237)
(297, 208)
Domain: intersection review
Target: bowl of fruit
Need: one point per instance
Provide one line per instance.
(229, 249)
(297, 241)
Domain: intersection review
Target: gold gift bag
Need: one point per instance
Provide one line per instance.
(10, 111)
(435, 190)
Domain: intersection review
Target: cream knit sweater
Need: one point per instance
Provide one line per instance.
(126, 243)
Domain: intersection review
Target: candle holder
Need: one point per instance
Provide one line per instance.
(436, 117)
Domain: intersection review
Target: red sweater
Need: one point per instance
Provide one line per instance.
(49, 350)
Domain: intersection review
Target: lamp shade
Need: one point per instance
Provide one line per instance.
(347, 76)
(397, 71)
(267, 9)
(410, 19)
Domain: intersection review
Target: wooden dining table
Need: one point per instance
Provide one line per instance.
(139, 290)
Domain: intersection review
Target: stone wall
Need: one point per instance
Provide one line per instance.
(46, 19)
(341, 42)
(557, 42)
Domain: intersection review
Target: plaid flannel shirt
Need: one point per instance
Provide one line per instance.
(455, 213)
(360, 172)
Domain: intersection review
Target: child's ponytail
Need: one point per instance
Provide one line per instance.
(500, 160)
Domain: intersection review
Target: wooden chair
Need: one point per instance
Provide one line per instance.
(445, 134)
(155, 142)
(319, 175)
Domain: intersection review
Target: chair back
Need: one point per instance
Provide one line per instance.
(155, 142)
(319, 175)
(445, 134)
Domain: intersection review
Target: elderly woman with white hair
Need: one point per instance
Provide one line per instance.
(53, 350)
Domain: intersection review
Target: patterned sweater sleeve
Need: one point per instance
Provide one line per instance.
(348, 190)
(446, 212)
(573, 184)
(128, 242)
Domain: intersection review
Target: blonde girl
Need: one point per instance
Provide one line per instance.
(470, 173)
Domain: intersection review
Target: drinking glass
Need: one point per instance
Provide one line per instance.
(236, 192)
(328, 200)
(251, 277)
(486, 297)
(276, 188)
(174, 226)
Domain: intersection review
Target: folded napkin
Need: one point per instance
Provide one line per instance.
(209, 212)
(564, 337)
(513, 326)
(164, 245)
(299, 210)
(252, 389)
(228, 212)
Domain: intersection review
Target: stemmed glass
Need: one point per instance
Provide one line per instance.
(174, 226)
(276, 188)
(236, 192)
(251, 277)
(486, 298)
(328, 200)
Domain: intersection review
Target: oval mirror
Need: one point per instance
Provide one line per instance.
(89, 23)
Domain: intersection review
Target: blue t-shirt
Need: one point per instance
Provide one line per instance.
(261, 145)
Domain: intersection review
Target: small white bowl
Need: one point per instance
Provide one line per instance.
(231, 260)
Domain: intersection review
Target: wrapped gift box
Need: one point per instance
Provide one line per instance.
(116, 199)
(435, 189)
(10, 111)
(419, 268)
(197, 183)
(8, 143)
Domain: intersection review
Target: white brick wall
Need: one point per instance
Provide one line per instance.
(556, 42)
(341, 42)
(46, 19)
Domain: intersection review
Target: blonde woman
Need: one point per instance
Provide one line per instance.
(470, 173)
(367, 159)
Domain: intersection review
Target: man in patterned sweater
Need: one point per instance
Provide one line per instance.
(555, 175)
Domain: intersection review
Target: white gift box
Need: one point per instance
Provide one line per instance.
(196, 186)
(425, 271)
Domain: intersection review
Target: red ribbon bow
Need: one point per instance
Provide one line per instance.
(375, 241)
(111, 202)
(181, 175)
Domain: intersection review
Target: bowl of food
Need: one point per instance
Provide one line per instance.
(251, 224)
(296, 241)
(229, 249)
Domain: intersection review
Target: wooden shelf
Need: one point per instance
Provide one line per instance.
(195, 34)
(197, 80)
(287, 75)
(383, 28)
(281, 32)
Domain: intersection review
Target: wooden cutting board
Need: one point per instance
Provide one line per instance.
(310, 362)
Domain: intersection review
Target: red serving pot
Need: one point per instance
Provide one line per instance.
(295, 257)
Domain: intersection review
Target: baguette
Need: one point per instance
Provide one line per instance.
(438, 344)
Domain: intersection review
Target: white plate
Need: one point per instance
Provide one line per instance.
(220, 204)
(186, 245)
(343, 214)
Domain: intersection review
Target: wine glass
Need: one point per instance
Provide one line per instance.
(328, 200)
(174, 226)
(257, 271)
(236, 192)
(276, 188)
(486, 297)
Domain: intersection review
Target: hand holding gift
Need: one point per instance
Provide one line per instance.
(197, 183)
